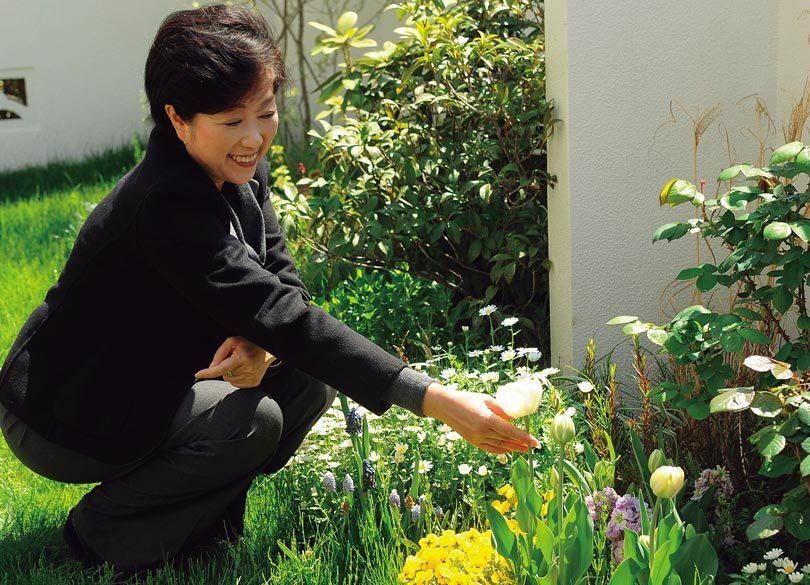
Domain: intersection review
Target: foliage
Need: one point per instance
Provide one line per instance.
(437, 159)
(769, 241)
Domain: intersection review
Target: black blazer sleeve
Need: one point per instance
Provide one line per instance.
(278, 260)
(184, 237)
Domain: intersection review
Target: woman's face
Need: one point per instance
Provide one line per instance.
(229, 144)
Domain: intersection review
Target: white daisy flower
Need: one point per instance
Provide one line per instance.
(806, 569)
(750, 568)
(509, 321)
(785, 565)
(453, 436)
(534, 356)
(373, 456)
(475, 353)
(425, 466)
(482, 471)
(508, 355)
(464, 469)
(400, 448)
(762, 567)
(487, 311)
(772, 554)
(495, 348)
(448, 373)
(490, 376)
(585, 386)
(333, 464)
(579, 448)
(546, 372)
(795, 577)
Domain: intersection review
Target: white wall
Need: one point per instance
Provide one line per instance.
(613, 69)
(83, 63)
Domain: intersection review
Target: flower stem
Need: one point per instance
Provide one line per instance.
(560, 515)
(653, 528)
(529, 453)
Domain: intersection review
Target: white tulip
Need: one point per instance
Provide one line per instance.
(520, 398)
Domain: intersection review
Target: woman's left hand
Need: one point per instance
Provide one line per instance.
(239, 361)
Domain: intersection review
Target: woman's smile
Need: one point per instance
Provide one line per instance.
(244, 161)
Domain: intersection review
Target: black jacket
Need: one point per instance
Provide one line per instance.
(154, 284)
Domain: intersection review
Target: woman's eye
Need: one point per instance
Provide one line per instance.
(232, 124)
(268, 116)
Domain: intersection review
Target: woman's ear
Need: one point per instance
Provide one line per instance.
(180, 126)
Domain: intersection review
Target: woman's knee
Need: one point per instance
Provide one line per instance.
(266, 427)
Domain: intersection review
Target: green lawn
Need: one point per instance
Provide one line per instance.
(37, 232)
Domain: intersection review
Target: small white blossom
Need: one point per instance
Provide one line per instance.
(534, 356)
(795, 577)
(373, 456)
(585, 386)
(400, 448)
(475, 353)
(495, 348)
(470, 375)
(490, 376)
(509, 321)
(482, 471)
(448, 373)
(571, 411)
(521, 351)
(333, 464)
(453, 436)
(508, 355)
(772, 554)
(785, 565)
(464, 469)
(750, 568)
(546, 372)
(421, 436)
(503, 458)
(579, 448)
(762, 567)
(487, 311)
(399, 458)
(465, 328)
(806, 569)
(441, 441)
(425, 466)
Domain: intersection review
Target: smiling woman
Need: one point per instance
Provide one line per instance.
(184, 264)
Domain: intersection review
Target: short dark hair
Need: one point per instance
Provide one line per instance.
(210, 59)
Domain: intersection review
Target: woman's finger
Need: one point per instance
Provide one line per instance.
(495, 448)
(228, 365)
(223, 351)
(511, 432)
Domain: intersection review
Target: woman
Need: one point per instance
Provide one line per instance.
(184, 264)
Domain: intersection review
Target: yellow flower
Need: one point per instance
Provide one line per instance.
(502, 507)
(508, 492)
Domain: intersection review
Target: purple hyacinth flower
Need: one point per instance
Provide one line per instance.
(394, 499)
(328, 482)
(354, 422)
(416, 511)
(369, 481)
(348, 484)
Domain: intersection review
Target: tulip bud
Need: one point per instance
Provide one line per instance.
(656, 460)
(667, 481)
(644, 540)
(555, 477)
(562, 429)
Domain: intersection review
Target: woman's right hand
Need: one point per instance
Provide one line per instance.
(477, 418)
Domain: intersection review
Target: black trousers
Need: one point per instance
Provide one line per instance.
(192, 490)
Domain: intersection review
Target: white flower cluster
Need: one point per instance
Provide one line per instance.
(783, 565)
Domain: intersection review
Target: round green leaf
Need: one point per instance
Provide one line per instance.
(698, 410)
(706, 282)
(729, 173)
(803, 322)
(689, 273)
(621, 320)
(804, 414)
(785, 153)
(732, 400)
(766, 405)
(776, 230)
(731, 341)
(754, 336)
(635, 328)
(801, 228)
(782, 299)
(771, 443)
(805, 466)
(764, 527)
(657, 336)
(806, 445)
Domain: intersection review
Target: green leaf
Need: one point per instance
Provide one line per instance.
(706, 282)
(803, 322)
(689, 273)
(730, 173)
(635, 328)
(777, 230)
(698, 410)
(732, 400)
(764, 527)
(731, 341)
(803, 413)
(766, 405)
(780, 465)
(785, 153)
(747, 313)
(782, 299)
(803, 160)
(798, 524)
(806, 445)
(474, 250)
(771, 443)
(625, 573)
(804, 468)
(695, 558)
(754, 336)
(732, 259)
(621, 320)
(504, 539)
(801, 228)
(657, 336)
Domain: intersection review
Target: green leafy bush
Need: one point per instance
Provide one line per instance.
(435, 160)
(722, 356)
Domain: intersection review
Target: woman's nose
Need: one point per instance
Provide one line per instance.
(252, 138)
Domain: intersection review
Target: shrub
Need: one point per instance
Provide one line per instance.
(436, 161)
